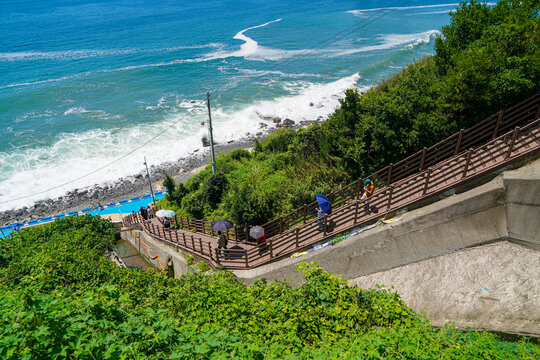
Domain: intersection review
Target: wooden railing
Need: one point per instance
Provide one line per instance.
(509, 147)
(459, 169)
(475, 136)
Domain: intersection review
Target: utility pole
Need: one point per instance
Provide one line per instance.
(149, 181)
(211, 134)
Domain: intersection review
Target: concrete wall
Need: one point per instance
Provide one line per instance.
(153, 248)
(428, 255)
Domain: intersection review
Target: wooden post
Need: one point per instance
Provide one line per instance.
(467, 163)
(356, 206)
(200, 244)
(514, 137)
(426, 184)
(359, 189)
(280, 224)
(184, 236)
(390, 197)
(217, 256)
(423, 158)
(210, 250)
(236, 233)
(458, 142)
(305, 213)
(192, 243)
(271, 248)
(389, 174)
(245, 254)
(499, 119)
(296, 238)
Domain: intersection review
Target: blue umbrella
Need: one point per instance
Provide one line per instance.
(324, 203)
(222, 225)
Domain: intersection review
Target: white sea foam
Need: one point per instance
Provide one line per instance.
(251, 50)
(363, 11)
(451, 11)
(389, 41)
(89, 53)
(76, 154)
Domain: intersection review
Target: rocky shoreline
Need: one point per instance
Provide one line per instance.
(128, 187)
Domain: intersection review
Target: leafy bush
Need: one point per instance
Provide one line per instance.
(214, 188)
(95, 310)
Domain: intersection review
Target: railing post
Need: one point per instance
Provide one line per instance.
(499, 119)
(271, 248)
(356, 206)
(280, 224)
(389, 174)
(325, 224)
(236, 233)
(305, 213)
(184, 236)
(359, 189)
(458, 142)
(426, 184)
(210, 251)
(423, 158)
(200, 244)
(217, 256)
(514, 137)
(296, 237)
(390, 197)
(247, 232)
(245, 254)
(469, 154)
(192, 243)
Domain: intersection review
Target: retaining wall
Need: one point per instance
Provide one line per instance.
(156, 252)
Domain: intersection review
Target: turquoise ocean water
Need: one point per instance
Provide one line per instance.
(85, 83)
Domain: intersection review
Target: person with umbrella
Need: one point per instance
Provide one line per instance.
(219, 226)
(324, 208)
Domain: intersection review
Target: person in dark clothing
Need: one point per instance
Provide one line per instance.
(143, 212)
(222, 241)
(166, 223)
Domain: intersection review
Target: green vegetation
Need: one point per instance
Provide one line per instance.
(488, 59)
(60, 298)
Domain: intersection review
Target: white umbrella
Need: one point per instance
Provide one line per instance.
(256, 232)
(165, 213)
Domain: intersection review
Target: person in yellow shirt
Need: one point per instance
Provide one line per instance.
(369, 188)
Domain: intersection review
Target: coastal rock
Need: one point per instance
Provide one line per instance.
(307, 122)
(263, 125)
(181, 171)
(259, 133)
(310, 104)
(288, 122)
(277, 120)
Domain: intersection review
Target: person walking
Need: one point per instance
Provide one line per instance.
(369, 188)
(222, 241)
(320, 215)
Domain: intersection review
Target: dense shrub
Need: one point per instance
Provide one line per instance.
(81, 306)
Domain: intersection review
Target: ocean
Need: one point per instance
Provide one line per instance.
(89, 88)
